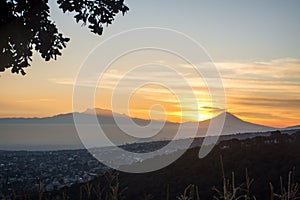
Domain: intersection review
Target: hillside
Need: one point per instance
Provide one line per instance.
(265, 158)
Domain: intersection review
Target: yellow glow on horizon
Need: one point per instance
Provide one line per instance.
(264, 93)
(202, 117)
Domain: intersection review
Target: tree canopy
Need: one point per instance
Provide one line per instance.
(25, 25)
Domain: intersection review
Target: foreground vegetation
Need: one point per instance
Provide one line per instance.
(260, 168)
(289, 190)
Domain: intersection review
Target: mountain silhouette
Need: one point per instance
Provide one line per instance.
(60, 129)
(233, 124)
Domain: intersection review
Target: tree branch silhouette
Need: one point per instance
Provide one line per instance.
(26, 26)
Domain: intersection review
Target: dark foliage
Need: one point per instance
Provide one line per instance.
(266, 158)
(25, 25)
(268, 161)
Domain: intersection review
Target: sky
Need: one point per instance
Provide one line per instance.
(254, 45)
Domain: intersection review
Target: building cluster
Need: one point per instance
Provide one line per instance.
(50, 170)
(28, 170)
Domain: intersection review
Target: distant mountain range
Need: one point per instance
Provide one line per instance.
(60, 130)
(293, 127)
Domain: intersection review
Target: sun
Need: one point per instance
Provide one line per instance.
(201, 117)
(195, 116)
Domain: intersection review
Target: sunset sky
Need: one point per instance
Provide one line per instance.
(254, 44)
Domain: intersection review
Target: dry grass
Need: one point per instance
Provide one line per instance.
(289, 190)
